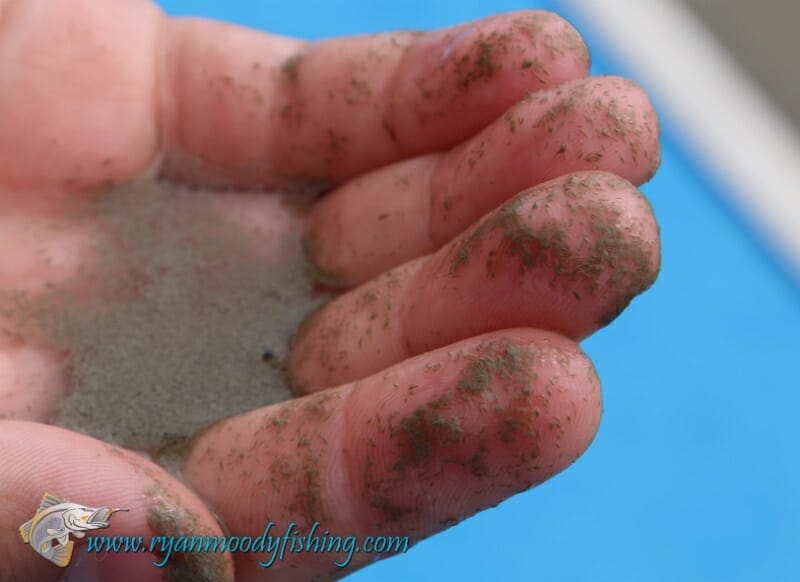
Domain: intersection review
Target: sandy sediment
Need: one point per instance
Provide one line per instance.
(175, 321)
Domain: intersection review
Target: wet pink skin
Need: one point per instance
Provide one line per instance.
(469, 357)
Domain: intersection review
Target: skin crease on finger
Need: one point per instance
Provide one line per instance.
(411, 450)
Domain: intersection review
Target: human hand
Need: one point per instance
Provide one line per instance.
(446, 383)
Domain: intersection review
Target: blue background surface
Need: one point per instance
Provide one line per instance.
(694, 474)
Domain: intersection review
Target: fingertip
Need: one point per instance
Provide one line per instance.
(635, 120)
(595, 124)
(464, 428)
(564, 39)
(567, 255)
(466, 76)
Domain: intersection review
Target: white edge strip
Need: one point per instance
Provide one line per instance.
(729, 122)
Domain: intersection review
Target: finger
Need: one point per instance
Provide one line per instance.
(263, 106)
(112, 84)
(410, 209)
(409, 451)
(567, 255)
(38, 458)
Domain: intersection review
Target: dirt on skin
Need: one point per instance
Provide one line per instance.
(168, 518)
(175, 321)
(434, 430)
(610, 250)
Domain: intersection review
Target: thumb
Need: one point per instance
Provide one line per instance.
(36, 458)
